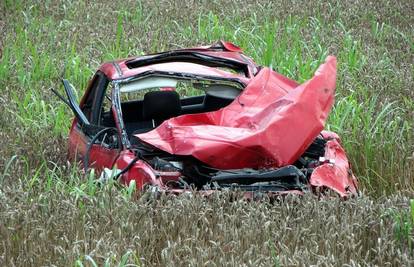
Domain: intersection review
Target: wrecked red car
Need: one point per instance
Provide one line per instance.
(209, 118)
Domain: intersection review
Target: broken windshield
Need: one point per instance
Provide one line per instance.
(136, 89)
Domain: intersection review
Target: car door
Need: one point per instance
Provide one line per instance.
(91, 143)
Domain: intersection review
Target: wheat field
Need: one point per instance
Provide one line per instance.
(53, 214)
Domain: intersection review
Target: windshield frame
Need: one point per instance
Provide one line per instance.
(116, 99)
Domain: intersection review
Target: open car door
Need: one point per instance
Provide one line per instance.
(91, 144)
(73, 104)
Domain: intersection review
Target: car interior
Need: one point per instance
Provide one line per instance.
(146, 104)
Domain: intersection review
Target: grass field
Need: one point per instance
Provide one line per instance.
(51, 214)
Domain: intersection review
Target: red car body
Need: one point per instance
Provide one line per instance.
(263, 132)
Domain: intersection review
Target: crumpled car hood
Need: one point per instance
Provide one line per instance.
(270, 124)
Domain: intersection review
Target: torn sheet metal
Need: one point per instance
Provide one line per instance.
(337, 174)
(270, 124)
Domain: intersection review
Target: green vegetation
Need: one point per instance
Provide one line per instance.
(404, 225)
(50, 213)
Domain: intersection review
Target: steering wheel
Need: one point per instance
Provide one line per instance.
(93, 141)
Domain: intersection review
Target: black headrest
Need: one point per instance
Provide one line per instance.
(161, 105)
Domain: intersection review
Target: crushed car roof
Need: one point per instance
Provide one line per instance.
(267, 137)
(229, 62)
(271, 123)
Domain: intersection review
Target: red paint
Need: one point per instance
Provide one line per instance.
(270, 124)
(100, 157)
(229, 51)
(338, 175)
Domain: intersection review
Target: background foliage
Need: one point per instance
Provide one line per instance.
(51, 214)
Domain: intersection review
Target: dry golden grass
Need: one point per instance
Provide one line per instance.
(42, 227)
(50, 214)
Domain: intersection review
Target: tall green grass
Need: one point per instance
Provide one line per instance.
(376, 129)
(373, 114)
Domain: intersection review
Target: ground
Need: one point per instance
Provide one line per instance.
(50, 213)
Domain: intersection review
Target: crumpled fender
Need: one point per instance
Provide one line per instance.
(336, 175)
(270, 124)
